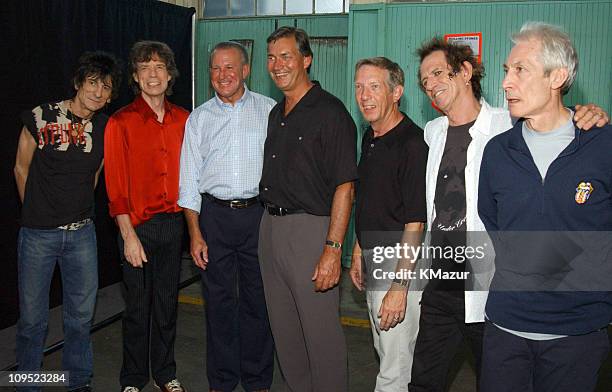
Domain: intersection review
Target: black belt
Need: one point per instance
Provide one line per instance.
(236, 203)
(280, 211)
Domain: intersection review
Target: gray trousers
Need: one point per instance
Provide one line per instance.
(305, 324)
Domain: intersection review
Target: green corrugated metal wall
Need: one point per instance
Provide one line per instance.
(328, 64)
(396, 31)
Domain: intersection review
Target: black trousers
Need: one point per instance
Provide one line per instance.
(151, 297)
(442, 330)
(239, 345)
(511, 363)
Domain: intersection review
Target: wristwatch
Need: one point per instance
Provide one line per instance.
(333, 244)
(401, 282)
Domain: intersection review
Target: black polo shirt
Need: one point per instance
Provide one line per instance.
(308, 153)
(391, 189)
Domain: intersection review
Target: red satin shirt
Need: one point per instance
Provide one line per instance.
(141, 160)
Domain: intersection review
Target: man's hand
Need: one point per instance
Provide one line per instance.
(590, 115)
(198, 247)
(133, 251)
(327, 272)
(199, 251)
(356, 272)
(393, 307)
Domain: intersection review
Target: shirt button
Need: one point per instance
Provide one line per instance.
(273, 156)
(282, 124)
(265, 189)
(300, 138)
(372, 145)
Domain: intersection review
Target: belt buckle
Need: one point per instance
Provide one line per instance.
(236, 204)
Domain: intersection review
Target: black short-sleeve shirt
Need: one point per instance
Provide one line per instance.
(308, 153)
(391, 188)
(60, 185)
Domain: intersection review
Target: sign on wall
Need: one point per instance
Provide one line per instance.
(473, 40)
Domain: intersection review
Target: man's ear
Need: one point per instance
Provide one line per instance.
(246, 70)
(398, 91)
(466, 71)
(557, 77)
(307, 61)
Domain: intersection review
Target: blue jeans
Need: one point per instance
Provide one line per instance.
(76, 253)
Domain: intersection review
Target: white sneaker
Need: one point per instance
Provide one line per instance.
(131, 389)
(172, 386)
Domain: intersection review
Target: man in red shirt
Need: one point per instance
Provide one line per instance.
(142, 152)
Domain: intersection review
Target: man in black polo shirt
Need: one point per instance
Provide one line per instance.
(390, 210)
(307, 189)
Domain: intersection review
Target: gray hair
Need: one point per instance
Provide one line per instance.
(395, 73)
(244, 55)
(557, 49)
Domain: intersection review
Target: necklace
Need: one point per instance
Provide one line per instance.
(77, 123)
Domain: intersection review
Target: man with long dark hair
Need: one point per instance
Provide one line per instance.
(59, 159)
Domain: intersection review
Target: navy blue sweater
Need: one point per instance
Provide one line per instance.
(512, 197)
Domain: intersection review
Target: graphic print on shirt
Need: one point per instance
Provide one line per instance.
(61, 132)
(450, 188)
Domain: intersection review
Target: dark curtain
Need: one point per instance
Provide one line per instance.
(41, 42)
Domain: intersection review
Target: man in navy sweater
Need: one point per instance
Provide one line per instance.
(550, 300)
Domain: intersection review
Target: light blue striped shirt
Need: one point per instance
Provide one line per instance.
(222, 151)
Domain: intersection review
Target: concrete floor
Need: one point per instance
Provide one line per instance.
(190, 349)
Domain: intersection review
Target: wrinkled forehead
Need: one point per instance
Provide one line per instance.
(525, 51)
(226, 55)
(433, 61)
(370, 72)
(284, 44)
(96, 77)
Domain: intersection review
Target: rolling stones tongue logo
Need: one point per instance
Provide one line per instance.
(583, 192)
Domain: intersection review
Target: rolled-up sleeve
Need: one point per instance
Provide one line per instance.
(191, 166)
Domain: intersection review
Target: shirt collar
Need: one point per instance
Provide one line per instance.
(239, 102)
(143, 108)
(390, 138)
(310, 99)
(483, 120)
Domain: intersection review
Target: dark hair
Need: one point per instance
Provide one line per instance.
(144, 51)
(244, 55)
(455, 56)
(395, 73)
(300, 36)
(99, 65)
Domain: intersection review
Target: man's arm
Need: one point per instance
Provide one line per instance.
(189, 193)
(132, 248)
(356, 272)
(25, 152)
(327, 272)
(198, 247)
(116, 175)
(393, 307)
(487, 206)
